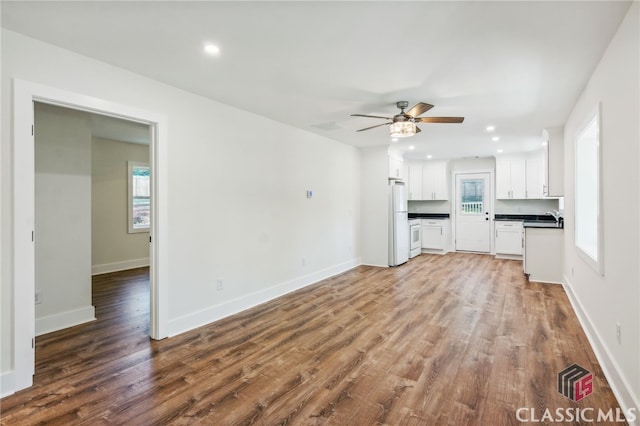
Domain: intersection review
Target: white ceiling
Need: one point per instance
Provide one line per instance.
(517, 65)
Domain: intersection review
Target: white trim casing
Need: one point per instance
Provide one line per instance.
(24, 94)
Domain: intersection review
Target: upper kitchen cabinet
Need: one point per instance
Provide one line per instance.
(511, 177)
(554, 155)
(396, 167)
(434, 181)
(415, 181)
(535, 174)
(428, 180)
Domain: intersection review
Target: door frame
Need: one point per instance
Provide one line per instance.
(25, 93)
(454, 194)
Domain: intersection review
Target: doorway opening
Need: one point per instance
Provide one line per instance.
(25, 95)
(81, 209)
(473, 212)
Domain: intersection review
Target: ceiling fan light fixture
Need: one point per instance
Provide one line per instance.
(402, 129)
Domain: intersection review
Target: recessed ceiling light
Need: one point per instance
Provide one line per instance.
(490, 128)
(500, 151)
(394, 139)
(544, 143)
(429, 157)
(411, 147)
(211, 49)
(495, 138)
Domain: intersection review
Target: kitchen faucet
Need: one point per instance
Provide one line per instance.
(555, 214)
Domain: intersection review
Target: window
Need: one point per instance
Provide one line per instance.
(588, 208)
(472, 196)
(139, 197)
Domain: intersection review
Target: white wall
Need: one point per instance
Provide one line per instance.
(615, 297)
(237, 204)
(113, 248)
(63, 218)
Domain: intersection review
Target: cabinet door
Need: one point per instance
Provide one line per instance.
(518, 178)
(503, 178)
(415, 181)
(535, 175)
(395, 168)
(554, 164)
(509, 238)
(434, 181)
(433, 235)
(440, 187)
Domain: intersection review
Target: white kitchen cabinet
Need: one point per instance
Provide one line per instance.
(554, 156)
(396, 166)
(509, 238)
(511, 178)
(434, 181)
(543, 254)
(415, 181)
(535, 169)
(435, 235)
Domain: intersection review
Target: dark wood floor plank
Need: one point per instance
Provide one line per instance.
(460, 339)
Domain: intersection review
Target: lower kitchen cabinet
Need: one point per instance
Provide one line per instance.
(435, 235)
(543, 249)
(509, 239)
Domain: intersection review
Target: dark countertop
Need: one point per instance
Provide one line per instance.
(532, 220)
(428, 215)
(525, 217)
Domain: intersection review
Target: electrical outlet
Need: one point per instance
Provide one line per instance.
(219, 284)
(38, 297)
(619, 333)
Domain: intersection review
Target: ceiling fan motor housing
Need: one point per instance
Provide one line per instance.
(402, 104)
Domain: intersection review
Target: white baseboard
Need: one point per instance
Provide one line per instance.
(63, 320)
(617, 381)
(105, 268)
(222, 310)
(7, 384)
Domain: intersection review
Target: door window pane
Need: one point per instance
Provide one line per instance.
(472, 196)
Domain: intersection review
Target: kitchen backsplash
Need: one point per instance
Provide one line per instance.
(501, 206)
(429, 206)
(525, 206)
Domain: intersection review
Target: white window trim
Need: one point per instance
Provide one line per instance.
(130, 166)
(595, 264)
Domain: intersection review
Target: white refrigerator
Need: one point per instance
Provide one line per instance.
(398, 224)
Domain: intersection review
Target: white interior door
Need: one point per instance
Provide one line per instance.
(474, 206)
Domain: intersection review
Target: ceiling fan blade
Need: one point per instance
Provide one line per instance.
(372, 127)
(418, 109)
(371, 116)
(440, 120)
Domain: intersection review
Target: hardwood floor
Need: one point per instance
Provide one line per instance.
(460, 339)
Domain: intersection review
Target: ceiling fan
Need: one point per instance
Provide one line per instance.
(404, 124)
